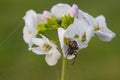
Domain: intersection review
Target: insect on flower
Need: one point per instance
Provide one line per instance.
(73, 48)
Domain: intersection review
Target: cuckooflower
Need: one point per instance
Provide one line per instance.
(101, 29)
(79, 31)
(44, 46)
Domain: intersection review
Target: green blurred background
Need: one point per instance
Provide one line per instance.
(100, 61)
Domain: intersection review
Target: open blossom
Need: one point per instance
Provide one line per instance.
(32, 20)
(29, 30)
(79, 31)
(44, 46)
(101, 29)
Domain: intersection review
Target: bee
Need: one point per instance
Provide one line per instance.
(72, 48)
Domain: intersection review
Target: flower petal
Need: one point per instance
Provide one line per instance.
(52, 57)
(61, 32)
(60, 9)
(103, 32)
(89, 19)
(40, 19)
(105, 36)
(46, 40)
(30, 19)
(38, 41)
(38, 51)
(80, 14)
(74, 10)
(101, 21)
(46, 14)
(26, 37)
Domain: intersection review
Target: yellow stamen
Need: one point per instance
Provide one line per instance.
(83, 37)
(30, 32)
(46, 47)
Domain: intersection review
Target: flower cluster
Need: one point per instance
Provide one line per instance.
(75, 30)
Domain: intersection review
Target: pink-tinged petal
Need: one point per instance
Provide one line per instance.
(74, 10)
(46, 14)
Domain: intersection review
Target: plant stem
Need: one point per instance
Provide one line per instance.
(63, 69)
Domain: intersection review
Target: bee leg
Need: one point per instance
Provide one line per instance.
(66, 53)
(75, 53)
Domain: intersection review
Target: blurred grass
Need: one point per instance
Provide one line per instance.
(100, 61)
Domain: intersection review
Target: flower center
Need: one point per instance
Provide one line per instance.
(83, 37)
(66, 20)
(67, 40)
(76, 36)
(30, 32)
(96, 27)
(46, 47)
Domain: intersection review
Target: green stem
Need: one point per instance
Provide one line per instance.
(63, 69)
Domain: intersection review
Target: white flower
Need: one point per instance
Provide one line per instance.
(79, 32)
(32, 20)
(29, 30)
(47, 48)
(101, 29)
(64, 9)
